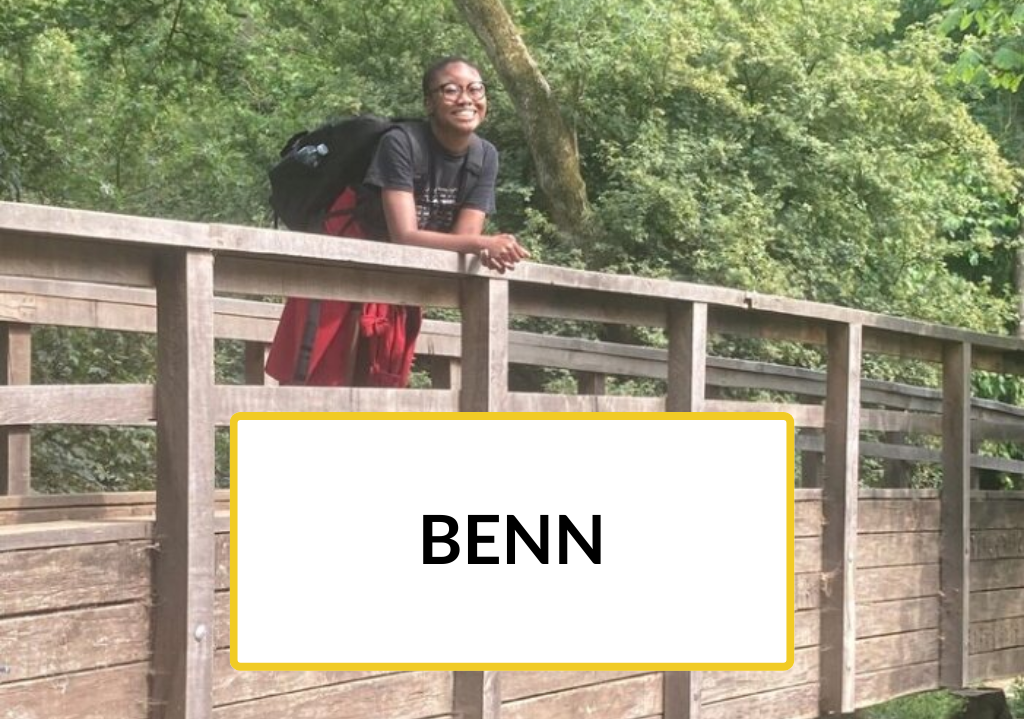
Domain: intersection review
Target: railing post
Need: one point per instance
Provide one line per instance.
(681, 695)
(15, 442)
(476, 695)
(839, 510)
(687, 356)
(591, 383)
(255, 365)
(184, 564)
(484, 345)
(955, 499)
(445, 372)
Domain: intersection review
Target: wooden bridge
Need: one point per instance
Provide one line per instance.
(115, 605)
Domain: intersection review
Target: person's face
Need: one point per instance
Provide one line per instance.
(458, 99)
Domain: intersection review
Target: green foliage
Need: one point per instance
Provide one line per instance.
(932, 705)
(1016, 698)
(995, 54)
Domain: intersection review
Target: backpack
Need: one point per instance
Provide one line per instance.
(317, 166)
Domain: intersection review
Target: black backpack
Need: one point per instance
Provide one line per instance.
(316, 166)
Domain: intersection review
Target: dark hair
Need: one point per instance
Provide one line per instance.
(434, 70)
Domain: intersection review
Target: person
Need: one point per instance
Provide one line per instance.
(394, 205)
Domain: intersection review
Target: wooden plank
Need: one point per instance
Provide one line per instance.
(64, 533)
(807, 554)
(997, 544)
(805, 629)
(876, 687)
(484, 345)
(882, 493)
(586, 382)
(997, 665)
(807, 591)
(64, 577)
(895, 549)
(803, 415)
(15, 442)
(183, 576)
(221, 620)
(997, 514)
(60, 643)
(130, 404)
(997, 574)
(230, 399)
(719, 686)
(86, 499)
(807, 519)
(222, 562)
(898, 515)
(897, 616)
(887, 420)
(476, 695)
(793, 703)
(996, 635)
(116, 693)
(524, 684)
(682, 694)
(621, 699)
(687, 356)
(839, 510)
(231, 686)
(414, 695)
(558, 303)
(76, 260)
(1000, 604)
(897, 650)
(887, 583)
(729, 321)
(255, 360)
(529, 402)
(955, 501)
(250, 276)
(11, 517)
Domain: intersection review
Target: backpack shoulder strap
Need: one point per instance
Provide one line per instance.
(472, 168)
(416, 131)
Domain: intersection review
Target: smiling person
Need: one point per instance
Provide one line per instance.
(430, 211)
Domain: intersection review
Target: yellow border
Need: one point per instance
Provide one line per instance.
(518, 666)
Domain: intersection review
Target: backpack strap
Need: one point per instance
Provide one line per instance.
(423, 159)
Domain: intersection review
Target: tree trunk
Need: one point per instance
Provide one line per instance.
(551, 143)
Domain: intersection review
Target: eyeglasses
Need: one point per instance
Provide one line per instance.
(452, 91)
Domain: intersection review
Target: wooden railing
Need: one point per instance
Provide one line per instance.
(106, 271)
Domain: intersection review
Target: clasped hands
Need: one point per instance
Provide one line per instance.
(502, 253)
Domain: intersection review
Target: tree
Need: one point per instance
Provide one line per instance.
(552, 144)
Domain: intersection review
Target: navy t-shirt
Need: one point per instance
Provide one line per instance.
(436, 197)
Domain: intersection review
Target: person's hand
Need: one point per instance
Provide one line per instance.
(502, 253)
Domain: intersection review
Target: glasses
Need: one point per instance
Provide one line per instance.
(451, 91)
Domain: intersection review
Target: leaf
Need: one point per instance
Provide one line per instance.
(1006, 58)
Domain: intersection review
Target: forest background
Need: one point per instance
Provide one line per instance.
(867, 154)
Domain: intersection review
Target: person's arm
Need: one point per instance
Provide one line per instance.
(466, 235)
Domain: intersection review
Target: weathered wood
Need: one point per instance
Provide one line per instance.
(484, 345)
(998, 513)
(888, 420)
(559, 303)
(586, 382)
(876, 687)
(898, 515)
(247, 276)
(682, 694)
(65, 642)
(839, 510)
(65, 533)
(997, 544)
(806, 629)
(221, 620)
(231, 686)
(891, 550)
(116, 693)
(788, 703)
(986, 575)
(255, 360)
(807, 554)
(65, 577)
(896, 472)
(719, 686)
(884, 584)
(414, 695)
(955, 501)
(897, 650)
(803, 415)
(996, 635)
(222, 561)
(997, 665)
(807, 518)
(76, 260)
(687, 356)
(15, 442)
(229, 399)
(524, 684)
(986, 606)
(476, 695)
(130, 404)
(807, 593)
(183, 577)
(896, 617)
(529, 402)
(621, 699)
